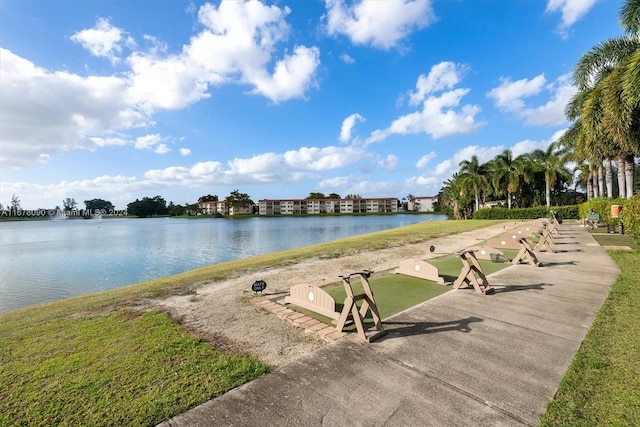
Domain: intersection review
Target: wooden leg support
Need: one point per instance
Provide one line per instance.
(350, 311)
(546, 242)
(470, 273)
(526, 255)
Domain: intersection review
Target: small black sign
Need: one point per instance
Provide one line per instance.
(259, 286)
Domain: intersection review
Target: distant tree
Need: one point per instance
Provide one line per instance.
(95, 205)
(334, 196)
(148, 207)
(316, 196)
(353, 196)
(192, 209)
(237, 199)
(208, 198)
(69, 204)
(176, 210)
(15, 204)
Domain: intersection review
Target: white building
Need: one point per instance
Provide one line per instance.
(422, 204)
(326, 206)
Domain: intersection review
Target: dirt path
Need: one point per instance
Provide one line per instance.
(222, 313)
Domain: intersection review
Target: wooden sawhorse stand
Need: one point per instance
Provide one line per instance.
(546, 241)
(526, 254)
(470, 274)
(350, 310)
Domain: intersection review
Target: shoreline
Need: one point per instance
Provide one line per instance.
(223, 313)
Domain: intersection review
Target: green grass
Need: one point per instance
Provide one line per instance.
(602, 385)
(120, 368)
(97, 360)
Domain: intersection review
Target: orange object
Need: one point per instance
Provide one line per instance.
(615, 211)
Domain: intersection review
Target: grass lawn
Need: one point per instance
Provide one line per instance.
(97, 360)
(602, 385)
(121, 368)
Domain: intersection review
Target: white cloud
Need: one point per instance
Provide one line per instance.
(238, 44)
(445, 75)
(292, 77)
(572, 11)
(528, 145)
(88, 111)
(326, 158)
(147, 141)
(381, 24)
(104, 40)
(508, 97)
(184, 151)
(347, 126)
(424, 160)
(347, 59)
(388, 163)
(162, 149)
(438, 119)
(441, 115)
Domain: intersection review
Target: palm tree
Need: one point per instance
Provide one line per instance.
(552, 162)
(473, 178)
(508, 174)
(453, 195)
(610, 73)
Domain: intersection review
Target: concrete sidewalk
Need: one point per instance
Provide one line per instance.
(460, 359)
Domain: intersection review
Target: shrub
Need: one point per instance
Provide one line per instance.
(629, 216)
(565, 212)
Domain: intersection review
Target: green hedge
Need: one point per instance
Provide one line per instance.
(630, 215)
(565, 212)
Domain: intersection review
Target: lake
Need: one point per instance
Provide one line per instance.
(44, 261)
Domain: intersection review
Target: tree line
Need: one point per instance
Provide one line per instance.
(603, 140)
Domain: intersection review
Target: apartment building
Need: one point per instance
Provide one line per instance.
(221, 207)
(422, 204)
(325, 206)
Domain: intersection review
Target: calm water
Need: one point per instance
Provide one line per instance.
(48, 260)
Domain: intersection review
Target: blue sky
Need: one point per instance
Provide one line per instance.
(120, 100)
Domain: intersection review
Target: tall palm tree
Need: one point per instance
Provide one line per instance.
(508, 174)
(473, 178)
(610, 71)
(552, 162)
(453, 195)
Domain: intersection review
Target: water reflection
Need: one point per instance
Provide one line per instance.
(48, 260)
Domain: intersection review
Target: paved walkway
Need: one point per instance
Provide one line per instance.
(460, 359)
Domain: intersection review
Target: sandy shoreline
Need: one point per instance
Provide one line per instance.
(222, 312)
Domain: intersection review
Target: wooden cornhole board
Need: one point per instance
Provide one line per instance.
(420, 269)
(314, 299)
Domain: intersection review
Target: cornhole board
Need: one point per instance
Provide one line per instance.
(313, 298)
(420, 269)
